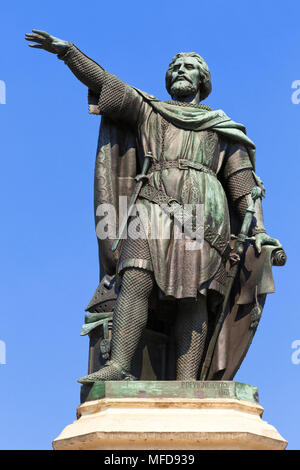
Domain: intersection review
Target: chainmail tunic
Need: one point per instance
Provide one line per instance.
(178, 271)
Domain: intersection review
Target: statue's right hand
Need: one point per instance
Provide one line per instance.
(47, 42)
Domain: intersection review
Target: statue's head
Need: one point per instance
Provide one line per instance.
(187, 74)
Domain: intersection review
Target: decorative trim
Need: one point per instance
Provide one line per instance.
(189, 105)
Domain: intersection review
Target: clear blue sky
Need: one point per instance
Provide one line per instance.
(47, 147)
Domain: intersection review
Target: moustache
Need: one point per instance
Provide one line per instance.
(182, 77)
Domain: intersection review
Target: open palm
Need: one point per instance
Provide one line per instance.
(47, 42)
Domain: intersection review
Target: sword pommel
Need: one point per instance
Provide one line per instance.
(146, 165)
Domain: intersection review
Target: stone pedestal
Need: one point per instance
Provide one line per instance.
(170, 415)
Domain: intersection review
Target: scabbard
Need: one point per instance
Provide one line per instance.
(241, 241)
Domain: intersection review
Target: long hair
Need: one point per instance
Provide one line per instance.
(205, 84)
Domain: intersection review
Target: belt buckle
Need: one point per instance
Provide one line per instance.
(173, 202)
(182, 164)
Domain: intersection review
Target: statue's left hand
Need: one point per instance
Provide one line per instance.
(264, 239)
(47, 42)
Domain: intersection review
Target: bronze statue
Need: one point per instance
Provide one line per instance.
(202, 300)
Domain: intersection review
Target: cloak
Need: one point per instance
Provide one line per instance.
(117, 164)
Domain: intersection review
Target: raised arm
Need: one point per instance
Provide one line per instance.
(115, 98)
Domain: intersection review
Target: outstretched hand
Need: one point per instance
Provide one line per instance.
(47, 42)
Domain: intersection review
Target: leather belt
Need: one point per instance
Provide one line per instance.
(182, 164)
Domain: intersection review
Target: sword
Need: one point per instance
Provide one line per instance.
(140, 179)
(241, 240)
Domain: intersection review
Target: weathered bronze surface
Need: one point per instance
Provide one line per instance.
(172, 308)
(173, 389)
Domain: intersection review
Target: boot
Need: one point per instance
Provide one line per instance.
(110, 371)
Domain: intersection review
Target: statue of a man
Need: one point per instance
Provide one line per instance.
(198, 157)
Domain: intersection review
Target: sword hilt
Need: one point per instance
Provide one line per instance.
(146, 165)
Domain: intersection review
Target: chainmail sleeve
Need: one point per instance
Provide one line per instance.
(111, 96)
(239, 182)
(85, 69)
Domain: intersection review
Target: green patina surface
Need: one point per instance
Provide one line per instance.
(173, 389)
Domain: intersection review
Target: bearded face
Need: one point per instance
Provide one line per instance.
(183, 88)
(185, 78)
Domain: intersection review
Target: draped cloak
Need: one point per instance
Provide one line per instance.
(119, 160)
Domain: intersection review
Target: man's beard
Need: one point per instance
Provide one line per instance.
(182, 88)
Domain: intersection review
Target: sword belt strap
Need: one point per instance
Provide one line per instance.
(182, 164)
(159, 197)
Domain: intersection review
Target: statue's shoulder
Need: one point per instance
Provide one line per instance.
(145, 95)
